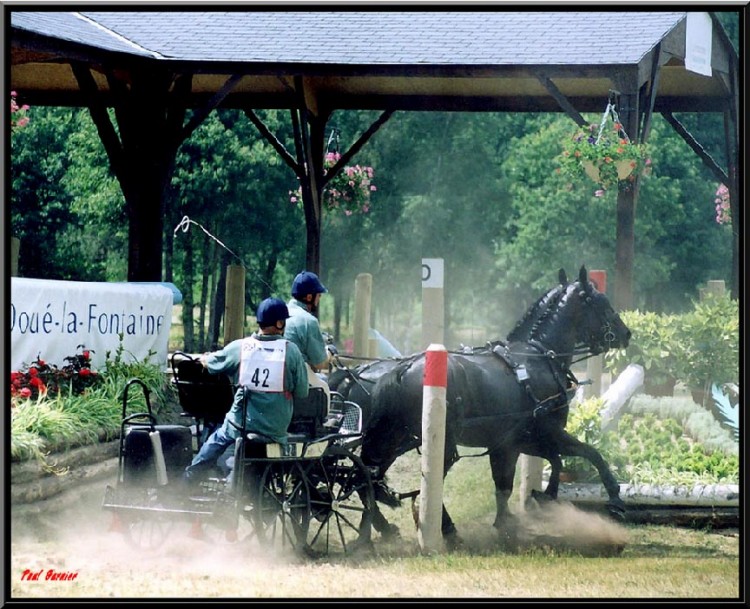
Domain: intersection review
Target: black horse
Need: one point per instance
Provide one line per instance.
(357, 384)
(509, 398)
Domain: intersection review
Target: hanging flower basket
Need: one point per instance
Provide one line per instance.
(349, 191)
(604, 153)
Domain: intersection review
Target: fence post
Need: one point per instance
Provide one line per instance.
(433, 448)
(362, 304)
(234, 310)
(433, 315)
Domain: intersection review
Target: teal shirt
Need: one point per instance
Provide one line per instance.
(303, 329)
(267, 413)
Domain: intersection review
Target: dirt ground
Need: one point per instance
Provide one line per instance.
(65, 548)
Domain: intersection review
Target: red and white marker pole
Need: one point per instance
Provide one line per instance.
(433, 448)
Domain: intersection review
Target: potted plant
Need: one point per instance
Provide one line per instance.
(605, 155)
(348, 191)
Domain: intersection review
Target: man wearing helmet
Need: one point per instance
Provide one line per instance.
(303, 328)
(271, 373)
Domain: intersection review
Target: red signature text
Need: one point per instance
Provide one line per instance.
(48, 575)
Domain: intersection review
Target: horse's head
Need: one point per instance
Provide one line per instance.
(599, 327)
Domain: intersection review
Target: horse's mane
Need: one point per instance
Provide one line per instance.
(536, 313)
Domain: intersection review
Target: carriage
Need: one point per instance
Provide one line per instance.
(312, 495)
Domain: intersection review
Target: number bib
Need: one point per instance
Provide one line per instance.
(262, 365)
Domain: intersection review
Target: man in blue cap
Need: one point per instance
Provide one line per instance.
(303, 328)
(270, 372)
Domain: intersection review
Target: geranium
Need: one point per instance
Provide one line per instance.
(18, 117)
(723, 211)
(349, 190)
(605, 154)
(40, 378)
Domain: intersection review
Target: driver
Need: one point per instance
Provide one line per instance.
(271, 373)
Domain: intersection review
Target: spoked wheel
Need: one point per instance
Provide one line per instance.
(281, 511)
(225, 524)
(147, 532)
(341, 498)
(141, 523)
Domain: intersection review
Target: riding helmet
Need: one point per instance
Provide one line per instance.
(307, 283)
(270, 311)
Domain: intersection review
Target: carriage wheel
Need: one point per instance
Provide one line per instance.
(281, 511)
(341, 502)
(147, 532)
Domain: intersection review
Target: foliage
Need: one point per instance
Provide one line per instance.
(18, 114)
(652, 448)
(653, 345)
(57, 420)
(475, 189)
(349, 190)
(723, 210)
(40, 378)
(698, 347)
(709, 342)
(655, 449)
(697, 422)
(609, 153)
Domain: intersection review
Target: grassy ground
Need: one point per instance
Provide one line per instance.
(563, 553)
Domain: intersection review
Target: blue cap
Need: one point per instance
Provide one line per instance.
(270, 311)
(307, 283)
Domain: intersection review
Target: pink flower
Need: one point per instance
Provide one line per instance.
(599, 193)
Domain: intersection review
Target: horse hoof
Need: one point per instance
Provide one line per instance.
(616, 509)
(385, 495)
(453, 542)
(390, 532)
(541, 499)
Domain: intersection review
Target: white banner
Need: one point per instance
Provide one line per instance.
(51, 319)
(698, 38)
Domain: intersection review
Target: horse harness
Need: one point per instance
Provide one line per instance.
(551, 403)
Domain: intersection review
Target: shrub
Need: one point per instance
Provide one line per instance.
(697, 348)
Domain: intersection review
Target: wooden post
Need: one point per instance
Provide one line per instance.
(433, 315)
(234, 311)
(595, 363)
(433, 448)
(362, 303)
(713, 286)
(15, 249)
(531, 477)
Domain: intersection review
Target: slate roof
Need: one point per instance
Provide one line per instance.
(449, 38)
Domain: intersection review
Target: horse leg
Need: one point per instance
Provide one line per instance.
(553, 484)
(451, 537)
(571, 446)
(503, 466)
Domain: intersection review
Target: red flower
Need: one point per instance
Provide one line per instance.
(84, 372)
(86, 355)
(25, 392)
(33, 371)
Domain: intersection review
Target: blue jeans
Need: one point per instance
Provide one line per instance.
(212, 449)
